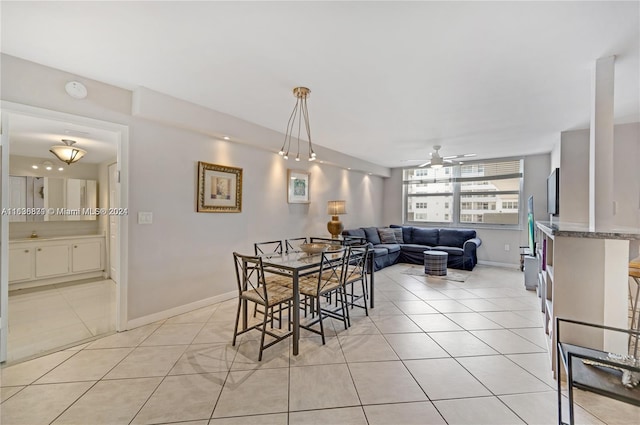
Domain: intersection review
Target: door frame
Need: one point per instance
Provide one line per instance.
(8, 110)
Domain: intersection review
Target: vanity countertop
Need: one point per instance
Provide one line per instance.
(54, 238)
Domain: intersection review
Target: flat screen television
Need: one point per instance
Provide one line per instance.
(553, 192)
(531, 226)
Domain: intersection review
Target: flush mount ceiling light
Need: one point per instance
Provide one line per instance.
(67, 153)
(299, 115)
(76, 89)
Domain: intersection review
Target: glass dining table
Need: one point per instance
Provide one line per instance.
(297, 264)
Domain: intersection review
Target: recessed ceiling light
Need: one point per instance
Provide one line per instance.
(226, 137)
(348, 168)
(60, 169)
(35, 167)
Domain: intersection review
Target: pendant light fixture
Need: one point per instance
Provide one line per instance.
(299, 117)
(67, 153)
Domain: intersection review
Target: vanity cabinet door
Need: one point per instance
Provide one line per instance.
(52, 260)
(20, 264)
(86, 256)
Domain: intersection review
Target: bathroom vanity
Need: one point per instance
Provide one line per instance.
(42, 261)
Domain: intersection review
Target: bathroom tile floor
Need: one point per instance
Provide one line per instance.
(413, 360)
(46, 318)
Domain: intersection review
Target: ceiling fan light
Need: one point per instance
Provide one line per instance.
(436, 165)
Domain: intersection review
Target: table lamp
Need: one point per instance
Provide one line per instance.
(334, 208)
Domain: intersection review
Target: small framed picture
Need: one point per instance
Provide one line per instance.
(219, 188)
(297, 187)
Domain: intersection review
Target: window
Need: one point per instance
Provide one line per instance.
(487, 192)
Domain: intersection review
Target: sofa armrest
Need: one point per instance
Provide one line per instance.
(471, 244)
(469, 257)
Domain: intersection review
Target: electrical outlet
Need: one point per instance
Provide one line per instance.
(507, 247)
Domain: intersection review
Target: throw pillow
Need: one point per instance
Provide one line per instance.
(398, 233)
(372, 235)
(387, 235)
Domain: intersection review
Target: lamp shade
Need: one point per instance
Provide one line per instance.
(336, 207)
(67, 153)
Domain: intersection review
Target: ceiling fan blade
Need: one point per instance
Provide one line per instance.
(452, 156)
(424, 165)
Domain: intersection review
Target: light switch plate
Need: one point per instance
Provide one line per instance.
(145, 217)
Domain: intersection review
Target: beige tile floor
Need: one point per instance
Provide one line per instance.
(414, 360)
(46, 318)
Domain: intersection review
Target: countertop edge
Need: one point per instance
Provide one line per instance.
(54, 238)
(556, 230)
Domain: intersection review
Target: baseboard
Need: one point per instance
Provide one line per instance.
(497, 264)
(165, 314)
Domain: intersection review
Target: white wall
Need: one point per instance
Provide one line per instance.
(626, 174)
(574, 175)
(184, 256)
(492, 251)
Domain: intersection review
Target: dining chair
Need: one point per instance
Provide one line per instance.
(271, 247)
(255, 287)
(293, 244)
(328, 280)
(355, 270)
(265, 248)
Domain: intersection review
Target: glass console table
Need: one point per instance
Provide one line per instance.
(613, 375)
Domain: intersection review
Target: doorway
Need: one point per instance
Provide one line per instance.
(84, 302)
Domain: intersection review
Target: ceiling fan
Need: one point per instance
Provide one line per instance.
(438, 161)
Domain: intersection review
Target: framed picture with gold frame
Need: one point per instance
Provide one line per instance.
(297, 187)
(219, 188)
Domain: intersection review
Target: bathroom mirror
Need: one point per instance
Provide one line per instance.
(51, 199)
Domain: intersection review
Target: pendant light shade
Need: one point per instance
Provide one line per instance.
(67, 153)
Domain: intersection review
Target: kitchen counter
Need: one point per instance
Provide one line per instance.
(580, 230)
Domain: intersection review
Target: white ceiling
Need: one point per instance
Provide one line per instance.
(33, 136)
(388, 79)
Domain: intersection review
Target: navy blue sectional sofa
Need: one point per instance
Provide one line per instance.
(410, 242)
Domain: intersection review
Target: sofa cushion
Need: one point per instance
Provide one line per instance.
(387, 235)
(359, 233)
(407, 232)
(410, 247)
(390, 247)
(449, 250)
(399, 236)
(372, 235)
(422, 236)
(455, 237)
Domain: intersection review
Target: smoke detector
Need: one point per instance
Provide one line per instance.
(76, 89)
